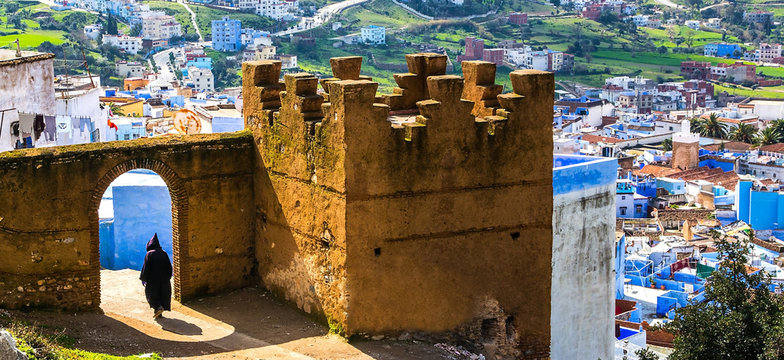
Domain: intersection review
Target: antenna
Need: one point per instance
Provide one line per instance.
(87, 67)
(18, 48)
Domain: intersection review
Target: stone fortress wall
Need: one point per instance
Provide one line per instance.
(429, 209)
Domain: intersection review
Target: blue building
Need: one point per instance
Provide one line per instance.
(733, 51)
(628, 203)
(202, 62)
(226, 34)
(672, 186)
(134, 207)
(762, 209)
(130, 128)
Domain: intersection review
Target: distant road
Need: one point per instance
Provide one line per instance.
(193, 18)
(320, 17)
(716, 5)
(669, 3)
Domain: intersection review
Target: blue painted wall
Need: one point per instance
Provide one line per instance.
(620, 262)
(713, 163)
(743, 191)
(139, 212)
(763, 212)
(227, 124)
(577, 173)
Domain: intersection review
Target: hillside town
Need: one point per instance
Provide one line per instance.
(667, 131)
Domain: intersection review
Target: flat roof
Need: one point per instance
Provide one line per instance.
(8, 57)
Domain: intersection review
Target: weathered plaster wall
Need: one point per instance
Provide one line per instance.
(27, 87)
(583, 244)
(51, 253)
(300, 192)
(426, 226)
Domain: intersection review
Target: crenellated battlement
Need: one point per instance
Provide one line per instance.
(372, 207)
(425, 96)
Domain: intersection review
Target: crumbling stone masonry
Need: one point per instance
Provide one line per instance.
(441, 225)
(428, 210)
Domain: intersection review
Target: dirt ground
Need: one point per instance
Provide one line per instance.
(244, 324)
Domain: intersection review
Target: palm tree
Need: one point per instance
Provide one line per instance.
(768, 136)
(116, 110)
(712, 127)
(779, 126)
(743, 132)
(667, 144)
(696, 125)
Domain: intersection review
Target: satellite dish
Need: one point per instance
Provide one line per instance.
(187, 122)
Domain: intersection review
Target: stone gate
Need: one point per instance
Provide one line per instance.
(49, 200)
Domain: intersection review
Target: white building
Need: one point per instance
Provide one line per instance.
(516, 56)
(160, 27)
(537, 60)
(277, 9)
(375, 35)
(694, 24)
(288, 61)
(93, 32)
(131, 45)
(130, 69)
(767, 52)
(202, 79)
(713, 23)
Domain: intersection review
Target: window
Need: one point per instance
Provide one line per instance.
(670, 128)
(623, 197)
(127, 136)
(638, 209)
(623, 210)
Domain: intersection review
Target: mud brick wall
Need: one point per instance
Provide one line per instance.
(49, 200)
(441, 225)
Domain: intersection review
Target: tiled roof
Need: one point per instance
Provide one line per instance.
(730, 146)
(595, 139)
(779, 148)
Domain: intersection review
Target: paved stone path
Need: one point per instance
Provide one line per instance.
(243, 324)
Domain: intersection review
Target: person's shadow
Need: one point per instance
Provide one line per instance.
(178, 326)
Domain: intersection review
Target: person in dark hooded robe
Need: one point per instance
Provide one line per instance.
(156, 277)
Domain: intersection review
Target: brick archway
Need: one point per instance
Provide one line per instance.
(179, 218)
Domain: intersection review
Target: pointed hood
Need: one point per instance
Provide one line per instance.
(153, 243)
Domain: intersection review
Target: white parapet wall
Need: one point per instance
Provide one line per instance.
(583, 280)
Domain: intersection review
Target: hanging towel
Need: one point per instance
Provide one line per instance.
(38, 126)
(75, 122)
(63, 124)
(50, 127)
(26, 122)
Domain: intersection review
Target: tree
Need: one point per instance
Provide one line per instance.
(136, 30)
(662, 49)
(556, 3)
(768, 136)
(778, 124)
(689, 37)
(712, 127)
(667, 144)
(696, 125)
(739, 318)
(111, 25)
(743, 132)
(646, 354)
(116, 109)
